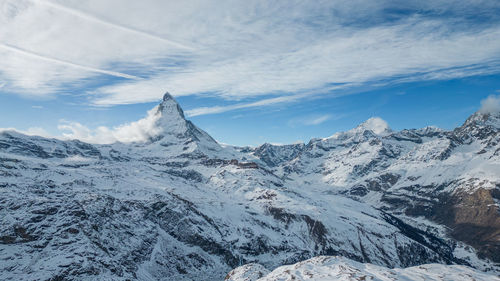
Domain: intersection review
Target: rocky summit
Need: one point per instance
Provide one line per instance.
(180, 206)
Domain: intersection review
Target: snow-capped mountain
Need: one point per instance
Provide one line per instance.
(182, 207)
(449, 178)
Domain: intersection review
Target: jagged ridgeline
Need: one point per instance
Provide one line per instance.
(179, 206)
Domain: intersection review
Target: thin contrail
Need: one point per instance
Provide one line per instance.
(91, 17)
(63, 62)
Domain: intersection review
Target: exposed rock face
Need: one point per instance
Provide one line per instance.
(479, 126)
(473, 218)
(275, 155)
(182, 207)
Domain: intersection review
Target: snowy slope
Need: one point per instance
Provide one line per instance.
(340, 268)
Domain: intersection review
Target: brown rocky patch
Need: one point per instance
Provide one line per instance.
(474, 218)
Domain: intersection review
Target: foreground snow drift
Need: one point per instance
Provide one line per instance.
(340, 268)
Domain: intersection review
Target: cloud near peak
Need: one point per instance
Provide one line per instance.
(138, 131)
(491, 104)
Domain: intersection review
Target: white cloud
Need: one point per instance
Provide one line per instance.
(350, 57)
(137, 131)
(491, 104)
(37, 131)
(236, 50)
(376, 125)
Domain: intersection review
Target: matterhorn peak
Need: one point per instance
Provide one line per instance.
(167, 96)
(170, 117)
(169, 108)
(172, 127)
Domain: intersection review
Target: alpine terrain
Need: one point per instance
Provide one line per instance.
(415, 204)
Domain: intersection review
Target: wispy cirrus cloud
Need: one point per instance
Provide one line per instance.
(91, 17)
(240, 50)
(359, 56)
(65, 63)
(261, 103)
(318, 120)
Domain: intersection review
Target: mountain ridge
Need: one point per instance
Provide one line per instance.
(181, 206)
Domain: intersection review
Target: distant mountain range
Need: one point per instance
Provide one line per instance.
(180, 206)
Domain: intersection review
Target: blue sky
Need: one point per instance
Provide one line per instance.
(247, 72)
